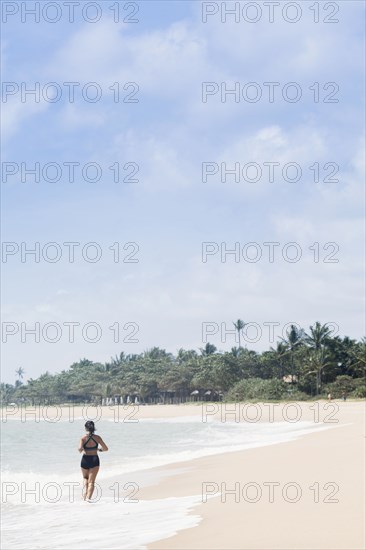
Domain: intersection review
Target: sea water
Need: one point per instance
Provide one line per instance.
(42, 483)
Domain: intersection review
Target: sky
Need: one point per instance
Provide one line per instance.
(176, 173)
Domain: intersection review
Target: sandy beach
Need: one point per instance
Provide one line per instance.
(334, 459)
(304, 494)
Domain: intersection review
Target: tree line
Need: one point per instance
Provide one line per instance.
(301, 366)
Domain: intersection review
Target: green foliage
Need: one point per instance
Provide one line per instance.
(359, 392)
(296, 395)
(353, 387)
(259, 389)
(316, 362)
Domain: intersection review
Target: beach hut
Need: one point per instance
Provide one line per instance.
(290, 379)
(207, 395)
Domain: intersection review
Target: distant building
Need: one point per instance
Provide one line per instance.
(290, 379)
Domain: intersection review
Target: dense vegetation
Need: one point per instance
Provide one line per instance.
(302, 365)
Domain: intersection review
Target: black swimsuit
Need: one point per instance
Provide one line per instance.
(90, 461)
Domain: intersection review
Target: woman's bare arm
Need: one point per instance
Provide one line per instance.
(81, 448)
(102, 444)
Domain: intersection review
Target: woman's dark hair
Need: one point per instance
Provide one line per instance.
(89, 426)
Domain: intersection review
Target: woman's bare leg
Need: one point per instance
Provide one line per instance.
(93, 472)
(85, 480)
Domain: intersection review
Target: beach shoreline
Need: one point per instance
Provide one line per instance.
(302, 494)
(252, 411)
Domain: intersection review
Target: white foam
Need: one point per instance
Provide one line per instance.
(104, 524)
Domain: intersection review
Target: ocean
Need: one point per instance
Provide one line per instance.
(41, 479)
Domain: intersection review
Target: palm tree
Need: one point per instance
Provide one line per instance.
(317, 342)
(280, 354)
(235, 352)
(6, 393)
(359, 356)
(294, 339)
(186, 355)
(20, 373)
(318, 337)
(209, 349)
(239, 325)
(319, 361)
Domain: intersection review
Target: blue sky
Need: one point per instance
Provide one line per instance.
(170, 211)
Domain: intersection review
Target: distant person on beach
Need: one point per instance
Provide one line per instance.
(89, 445)
(344, 396)
(330, 397)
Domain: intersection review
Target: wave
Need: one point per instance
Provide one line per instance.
(115, 525)
(214, 442)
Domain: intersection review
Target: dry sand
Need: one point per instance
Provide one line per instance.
(331, 461)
